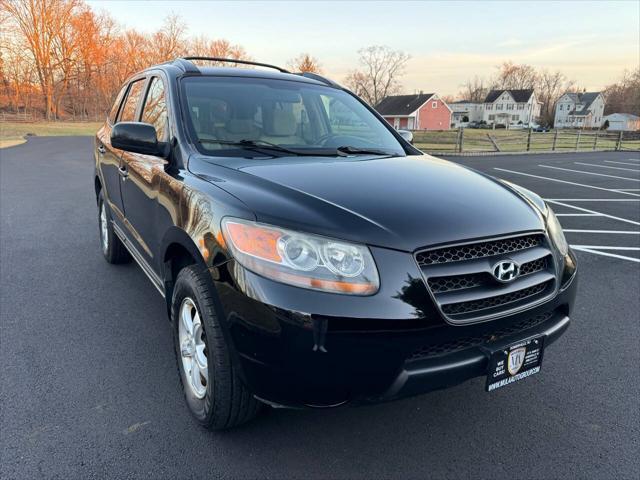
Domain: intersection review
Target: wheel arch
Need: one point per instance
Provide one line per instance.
(178, 250)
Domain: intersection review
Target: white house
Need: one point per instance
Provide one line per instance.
(623, 121)
(511, 107)
(580, 110)
(465, 111)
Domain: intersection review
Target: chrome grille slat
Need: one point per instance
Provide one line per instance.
(492, 289)
(461, 281)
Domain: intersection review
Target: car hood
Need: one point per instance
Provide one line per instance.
(397, 202)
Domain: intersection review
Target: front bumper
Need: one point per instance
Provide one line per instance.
(296, 347)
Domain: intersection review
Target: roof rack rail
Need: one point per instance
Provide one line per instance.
(188, 66)
(319, 78)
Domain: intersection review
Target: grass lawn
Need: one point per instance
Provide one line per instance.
(13, 133)
(479, 140)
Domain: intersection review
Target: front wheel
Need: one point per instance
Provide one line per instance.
(214, 392)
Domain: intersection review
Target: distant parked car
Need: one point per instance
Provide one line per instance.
(541, 128)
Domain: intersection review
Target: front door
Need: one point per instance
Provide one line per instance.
(143, 178)
(111, 158)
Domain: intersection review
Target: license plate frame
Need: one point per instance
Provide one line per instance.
(514, 363)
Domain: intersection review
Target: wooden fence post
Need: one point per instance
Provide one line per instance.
(595, 141)
(461, 140)
(619, 144)
(578, 139)
(555, 140)
(529, 140)
(495, 144)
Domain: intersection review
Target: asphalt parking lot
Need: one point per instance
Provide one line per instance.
(89, 387)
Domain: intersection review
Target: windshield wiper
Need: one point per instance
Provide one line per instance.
(261, 145)
(349, 150)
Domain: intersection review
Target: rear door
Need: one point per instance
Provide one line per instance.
(144, 176)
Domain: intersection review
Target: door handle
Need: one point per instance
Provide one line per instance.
(124, 173)
(101, 149)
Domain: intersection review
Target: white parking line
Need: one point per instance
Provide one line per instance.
(605, 254)
(586, 210)
(608, 247)
(596, 199)
(578, 215)
(607, 166)
(623, 232)
(621, 163)
(591, 173)
(565, 181)
(628, 189)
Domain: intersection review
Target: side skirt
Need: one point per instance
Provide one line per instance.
(146, 268)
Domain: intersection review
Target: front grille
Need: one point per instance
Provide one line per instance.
(463, 307)
(447, 284)
(477, 250)
(427, 351)
(461, 280)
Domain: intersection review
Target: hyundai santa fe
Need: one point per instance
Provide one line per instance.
(309, 255)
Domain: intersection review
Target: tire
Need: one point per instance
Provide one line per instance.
(217, 398)
(112, 248)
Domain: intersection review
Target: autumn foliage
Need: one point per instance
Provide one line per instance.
(59, 59)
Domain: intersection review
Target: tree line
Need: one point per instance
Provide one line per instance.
(61, 59)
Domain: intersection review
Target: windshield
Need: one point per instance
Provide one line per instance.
(231, 116)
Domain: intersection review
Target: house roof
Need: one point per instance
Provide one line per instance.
(519, 96)
(402, 104)
(586, 99)
(628, 116)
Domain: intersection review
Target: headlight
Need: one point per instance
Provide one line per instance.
(301, 259)
(556, 233)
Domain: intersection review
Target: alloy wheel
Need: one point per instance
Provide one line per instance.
(193, 349)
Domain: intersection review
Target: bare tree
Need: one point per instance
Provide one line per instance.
(42, 23)
(205, 47)
(549, 88)
(624, 95)
(378, 77)
(474, 90)
(168, 42)
(304, 63)
(515, 77)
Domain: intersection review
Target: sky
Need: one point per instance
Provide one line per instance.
(449, 42)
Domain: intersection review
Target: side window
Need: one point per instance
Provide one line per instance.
(155, 109)
(116, 105)
(343, 120)
(128, 111)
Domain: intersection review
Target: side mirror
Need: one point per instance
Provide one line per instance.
(135, 137)
(407, 135)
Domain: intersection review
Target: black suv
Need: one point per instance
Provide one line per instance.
(309, 255)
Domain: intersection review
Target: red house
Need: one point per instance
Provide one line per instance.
(423, 111)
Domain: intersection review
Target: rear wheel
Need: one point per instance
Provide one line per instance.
(214, 392)
(112, 248)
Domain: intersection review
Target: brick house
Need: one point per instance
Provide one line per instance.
(423, 111)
